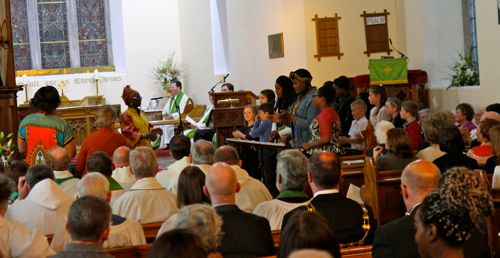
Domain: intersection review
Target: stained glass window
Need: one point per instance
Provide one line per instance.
(20, 35)
(92, 33)
(51, 34)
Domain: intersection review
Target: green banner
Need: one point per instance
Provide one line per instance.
(388, 71)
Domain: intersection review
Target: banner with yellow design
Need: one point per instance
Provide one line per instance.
(388, 71)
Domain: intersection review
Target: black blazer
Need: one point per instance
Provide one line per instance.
(396, 239)
(344, 216)
(448, 161)
(244, 234)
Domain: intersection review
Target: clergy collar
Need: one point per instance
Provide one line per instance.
(147, 183)
(326, 191)
(62, 174)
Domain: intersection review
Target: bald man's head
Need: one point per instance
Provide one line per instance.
(58, 158)
(121, 156)
(421, 177)
(221, 181)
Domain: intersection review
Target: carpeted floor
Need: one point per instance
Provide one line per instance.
(164, 158)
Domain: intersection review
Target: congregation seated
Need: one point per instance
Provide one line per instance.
(308, 230)
(104, 139)
(88, 224)
(122, 173)
(147, 201)
(484, 151)
(15, 170)
(397, 238)
(399, 147)
(123, 231)
(243, 234)
(190, 191)
(179, 149)
(447, 218)
(345, 216)
(100, 162)
(451, 142)
(41, 203)
(291, 170)
(202, 220)
(178, 243)
(202, 155)
(252, 191)
(431, 128)
(18, 240)
(58, 160)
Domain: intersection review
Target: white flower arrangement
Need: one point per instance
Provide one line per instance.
(168, 71)
(464, 73)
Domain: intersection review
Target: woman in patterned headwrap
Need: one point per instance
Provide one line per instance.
(133, 123)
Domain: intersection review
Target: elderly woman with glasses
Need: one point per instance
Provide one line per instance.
(133, 123)
(325, 127)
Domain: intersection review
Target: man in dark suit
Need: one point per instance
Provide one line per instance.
(396, 239)
(344, 215)
(244, 234)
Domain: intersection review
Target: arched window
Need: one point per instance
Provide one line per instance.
(61, 36)
(470, 32)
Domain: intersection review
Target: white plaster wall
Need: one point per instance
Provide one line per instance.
(144, 32)
(249, 24)
(351, 36)
(488, 32)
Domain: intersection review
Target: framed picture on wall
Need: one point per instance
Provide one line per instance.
(275, 45)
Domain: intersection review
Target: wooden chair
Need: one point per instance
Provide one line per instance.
(357, 252)
(138, 251)
(151, 230)
(382, 192)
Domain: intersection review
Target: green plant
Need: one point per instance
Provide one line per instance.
(168, 71)
(464, 73)
(6, 148)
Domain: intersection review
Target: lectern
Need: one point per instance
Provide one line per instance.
(227, 115)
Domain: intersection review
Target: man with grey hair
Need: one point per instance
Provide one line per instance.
(122, 173)
(106, 138)
(252, 191)
(202, 155)
(123, 231)
(58, 159)
(147, 201)
(88, 224)
(291, 170)
(41, 203)
(245, 234)
(17, 240)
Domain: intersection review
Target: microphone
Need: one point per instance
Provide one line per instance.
(158, 98)
(399, 52)
(225, 76)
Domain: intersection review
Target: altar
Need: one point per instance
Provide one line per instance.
(80, 114)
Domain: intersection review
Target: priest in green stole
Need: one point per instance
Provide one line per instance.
(178, 99)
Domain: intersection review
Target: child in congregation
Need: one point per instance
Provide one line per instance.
(268, 157)
(267, 96)
(409, 112)
(358, 125)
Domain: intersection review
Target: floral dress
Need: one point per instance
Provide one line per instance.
(326, 123)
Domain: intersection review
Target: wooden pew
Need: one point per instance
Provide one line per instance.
(357, 252)
(138, 251)
(276, 234)
(382, 192)
(352, 173)
(151, 230)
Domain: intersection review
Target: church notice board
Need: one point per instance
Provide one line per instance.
(327, 37)
(376, 32)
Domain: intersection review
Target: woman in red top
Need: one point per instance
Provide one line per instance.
(325, 128)
(484, 151)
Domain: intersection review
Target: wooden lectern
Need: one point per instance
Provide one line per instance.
(227, 115)
(8, 88)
